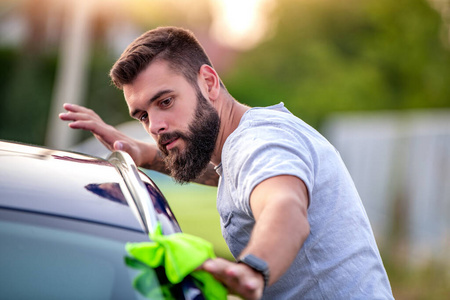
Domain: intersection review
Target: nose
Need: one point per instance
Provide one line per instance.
(157, 126)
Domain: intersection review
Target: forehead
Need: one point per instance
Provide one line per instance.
(156, 77)
(155, 74)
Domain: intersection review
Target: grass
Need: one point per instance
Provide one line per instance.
(194, 206)
(425, 281)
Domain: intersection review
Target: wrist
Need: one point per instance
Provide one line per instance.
(258, 265)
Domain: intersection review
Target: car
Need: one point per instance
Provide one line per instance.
(65, 218)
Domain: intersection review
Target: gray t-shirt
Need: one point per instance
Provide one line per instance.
(340, 258)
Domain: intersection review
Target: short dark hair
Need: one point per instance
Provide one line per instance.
(178, 46)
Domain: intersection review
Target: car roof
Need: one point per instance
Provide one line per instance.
(70, 185)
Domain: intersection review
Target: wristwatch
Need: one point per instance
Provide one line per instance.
(258, 265)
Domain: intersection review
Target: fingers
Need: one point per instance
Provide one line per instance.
(79, 122)
(82, 118)
(70, 107)
(76, 108)
(132, 150)
(86, 119)
(239, 278)
(119, 145)
(73, 116)
(76, 112)
(127, 147)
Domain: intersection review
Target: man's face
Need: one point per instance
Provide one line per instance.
(200, 140)
(178, 116)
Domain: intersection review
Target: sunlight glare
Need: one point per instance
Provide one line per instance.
(239, 24)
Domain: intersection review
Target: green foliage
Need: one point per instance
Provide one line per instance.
(321, 57)
(329, 56)
(25, 89)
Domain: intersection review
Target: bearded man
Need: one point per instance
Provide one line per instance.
(289, 210)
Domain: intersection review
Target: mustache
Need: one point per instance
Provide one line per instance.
(166, 138)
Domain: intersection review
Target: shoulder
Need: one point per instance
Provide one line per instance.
(270, 125)
(268, 139)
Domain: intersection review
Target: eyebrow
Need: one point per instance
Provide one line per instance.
(151, 100)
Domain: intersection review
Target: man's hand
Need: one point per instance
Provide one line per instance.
(87, 119)
(240, 279)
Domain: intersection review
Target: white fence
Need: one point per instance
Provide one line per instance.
(400, 163)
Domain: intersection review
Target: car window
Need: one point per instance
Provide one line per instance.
(41, 262)
(49, 257)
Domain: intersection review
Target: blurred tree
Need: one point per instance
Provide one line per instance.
(25, 90)
(28, 70)
(320, 57)
(326, 56)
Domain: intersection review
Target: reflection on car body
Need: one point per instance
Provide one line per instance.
(64, 221)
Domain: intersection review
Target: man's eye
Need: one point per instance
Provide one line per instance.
(166, 102)
(143, 117)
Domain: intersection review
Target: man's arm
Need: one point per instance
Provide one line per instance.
(279, 205)
(145, 155)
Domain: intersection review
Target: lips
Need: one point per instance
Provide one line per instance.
(167, 142)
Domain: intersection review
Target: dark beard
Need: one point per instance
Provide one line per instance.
(200, 143)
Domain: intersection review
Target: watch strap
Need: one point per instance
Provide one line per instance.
(258, 265)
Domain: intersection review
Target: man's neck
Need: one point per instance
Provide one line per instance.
(230, 112)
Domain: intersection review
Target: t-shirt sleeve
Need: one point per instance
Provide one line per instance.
(258, 153)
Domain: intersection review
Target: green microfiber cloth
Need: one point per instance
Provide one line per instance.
(180, 254)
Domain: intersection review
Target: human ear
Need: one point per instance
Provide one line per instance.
(210, 80)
